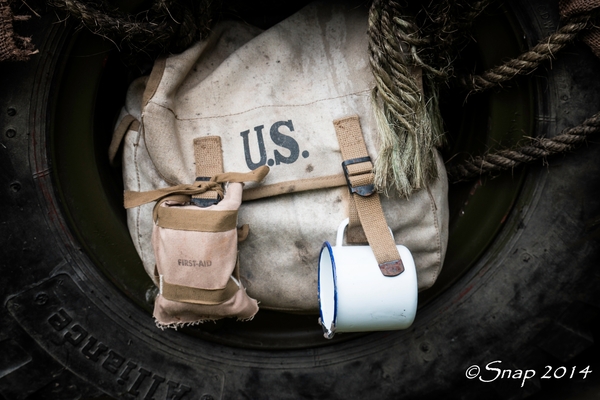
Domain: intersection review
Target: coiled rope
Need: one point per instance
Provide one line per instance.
(407, 49)
(406, 159)
(400, 41)
(529, 61)
(579, 19)
(539, 148)
(168, 26)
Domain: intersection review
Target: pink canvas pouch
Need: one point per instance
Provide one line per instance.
(196, 263)
(196, 251)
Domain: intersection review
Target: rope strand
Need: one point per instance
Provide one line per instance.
(403, 113)
(529, 61)
(167, 26)
(536, 149)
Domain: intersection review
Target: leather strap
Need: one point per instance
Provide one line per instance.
(358, 169)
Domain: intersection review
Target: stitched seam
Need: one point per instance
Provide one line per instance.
(138, 211)
(437, 232)
(259, 107)
(171, 183)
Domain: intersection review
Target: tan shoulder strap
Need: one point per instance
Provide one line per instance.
(208, 156)
(358, 169)
(294, 186)
(153, 81)
(128, 122)
(134, 199)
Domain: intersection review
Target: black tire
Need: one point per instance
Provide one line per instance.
(70, 331)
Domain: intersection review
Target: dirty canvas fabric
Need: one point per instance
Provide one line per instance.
(272, 98)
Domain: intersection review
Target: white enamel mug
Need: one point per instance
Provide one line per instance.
(354, 296)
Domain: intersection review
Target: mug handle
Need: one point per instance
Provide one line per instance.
(340, 233)
(342, 227)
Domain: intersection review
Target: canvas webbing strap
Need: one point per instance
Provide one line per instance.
(188, 294)
(154, 80)
(208, 156)
(134, 199)
(358, 169)
(196, 219)
(128, 122)
(264, 191)
(355, 234)
(295, 186)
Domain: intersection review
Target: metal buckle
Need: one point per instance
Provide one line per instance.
(363, 190)
(205, 202)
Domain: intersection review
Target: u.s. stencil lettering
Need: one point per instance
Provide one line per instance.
(280, 138)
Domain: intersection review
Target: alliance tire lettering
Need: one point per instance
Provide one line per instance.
(74, 334)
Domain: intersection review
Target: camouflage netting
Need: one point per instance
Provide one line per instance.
(12, 46)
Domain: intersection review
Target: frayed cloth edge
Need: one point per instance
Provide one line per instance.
(177, 325)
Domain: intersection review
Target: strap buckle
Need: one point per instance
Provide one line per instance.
(205, 202)
(362, 190)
